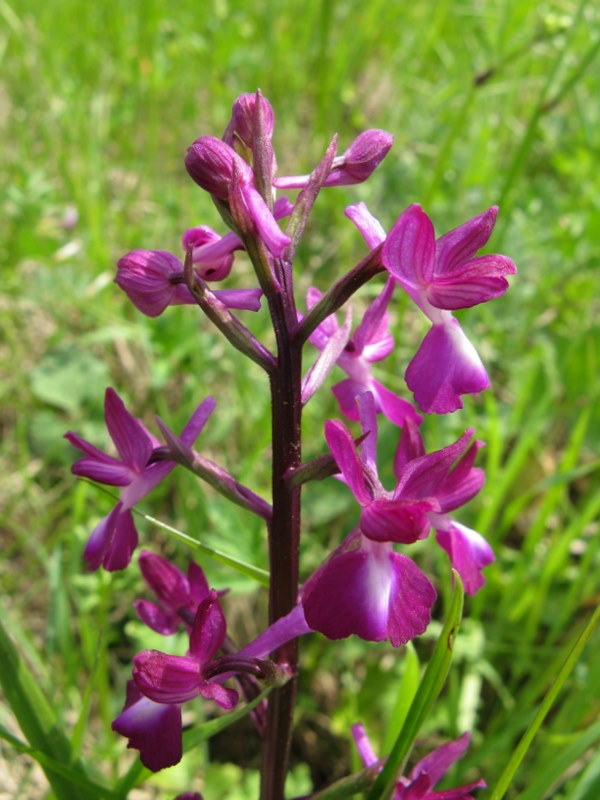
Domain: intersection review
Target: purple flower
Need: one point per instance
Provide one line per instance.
(115, 538)
(178, 595)
(250, 130)
(152, 728)
(153, 280)
(371, 342)
(367, 589)
(176, 679)
(428, 487)
(217, 168)
(355, 165)
(212, 254)
(442, 276)
(427, 773)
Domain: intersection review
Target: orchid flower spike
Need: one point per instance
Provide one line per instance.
(114, 539)
(440, 277)
(427, 773)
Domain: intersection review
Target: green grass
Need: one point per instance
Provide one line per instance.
(489, 103)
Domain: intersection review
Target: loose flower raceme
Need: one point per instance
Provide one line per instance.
(115, 538)
(440, 277)
(427, 773)
(364, 587)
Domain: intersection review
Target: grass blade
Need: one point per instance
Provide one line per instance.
(520, 751)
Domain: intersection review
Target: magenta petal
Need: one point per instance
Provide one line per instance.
(209, 628)
(268, 229)
(222, 696)
(469, 552)
(197, 421)
(155, 618)
(438, 762)
(167, 582)
(131, 439)
(350, 594)
(110, 472)
(411, 599)
(343, 449)
(393, 407)
(326, 360)
(370, 228)
(124, 541)
(198, 584)
(346, 392)
(363, 745)
(279, 633)
(463, 481)
(372, 337)
(402, 521)
(480, 280)
(101, 538)
(410, 447)
(155, 730)
(146, 277)
(409, 250)
(445, 367)
(460, 244)
(427, 475)
(166, 679)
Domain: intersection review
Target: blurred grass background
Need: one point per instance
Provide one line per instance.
(489, 103)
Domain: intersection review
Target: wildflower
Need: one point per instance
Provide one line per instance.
(153, 280)
(440, 277)
(428, 487)
(178, 595)
(355, 165)
(427, 773)
(371, 342)
(115, 538)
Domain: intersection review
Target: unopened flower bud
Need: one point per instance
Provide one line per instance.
(363, 156)
(210, 162)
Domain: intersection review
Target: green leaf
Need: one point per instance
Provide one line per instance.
(37, 720)
(427, 693)
(46, 762)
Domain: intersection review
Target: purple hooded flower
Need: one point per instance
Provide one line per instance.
(427, 773)
(428, 487)
(440, 277)
(176, 679)
(212, 255)
(367, 589)
(153, 280)
(371, 342)
(355, 165)
(178, 595)
(115, 538)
